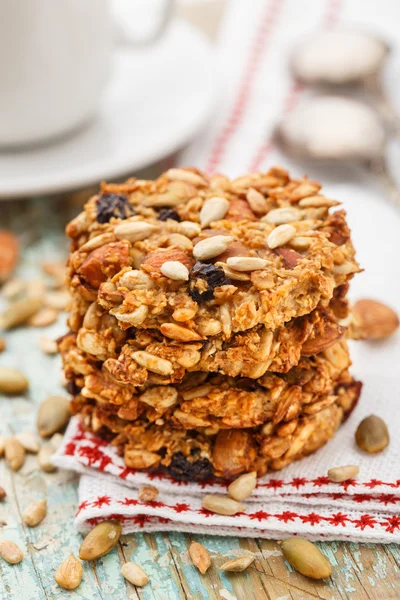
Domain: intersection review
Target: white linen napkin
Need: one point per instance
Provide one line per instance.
(255, 90)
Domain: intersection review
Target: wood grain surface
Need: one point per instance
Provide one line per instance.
(360, 571)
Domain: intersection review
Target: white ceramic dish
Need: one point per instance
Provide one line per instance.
(158, 100)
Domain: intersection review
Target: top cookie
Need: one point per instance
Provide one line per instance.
(196, 256)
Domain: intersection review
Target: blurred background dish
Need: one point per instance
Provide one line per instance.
(159, 98)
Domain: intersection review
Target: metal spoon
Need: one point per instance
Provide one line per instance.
(341, 130)
(346, 57)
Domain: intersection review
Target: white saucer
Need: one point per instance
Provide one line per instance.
(158, 99)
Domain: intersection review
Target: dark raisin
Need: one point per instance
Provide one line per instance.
(72, 388)
(113, 205)
(203, 279)
(183, 469)
(168, 213)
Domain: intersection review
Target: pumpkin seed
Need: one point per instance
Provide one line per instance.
(11, 552)
(53, 415)
(15, 453)
(243, 486)
(237, 565)
(306, 558)
(200, 557)
(134, 574)
(100, 540)
(372, 434)
(69, 573)
(35, 513)
(12, 381)
(222, 505)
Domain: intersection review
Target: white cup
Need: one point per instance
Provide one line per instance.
(55, 61)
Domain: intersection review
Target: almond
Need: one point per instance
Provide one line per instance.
(322, 341)
(234, 452)
(200, 557)
(9, 253)
(104, 262)
(69, 573)
(154, 261)
(35, 513)
(10, 552)
(373, 320)
(290, 258)
(239, 210)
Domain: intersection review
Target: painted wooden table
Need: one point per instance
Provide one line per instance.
(360, 572)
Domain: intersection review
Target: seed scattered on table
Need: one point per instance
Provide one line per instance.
(29, 441)
(339, 474)
(134, 574)
(57, 299)
(53, 415)
(44, 459)
(11, 552)
(306, 558)
(372, 434)
(48, 346)
(12, 381)
(222, 505)
(237, 565)
(100, 540)
(69, 573)
(19, 311)
(243, 486)
(147, 493)
(35, 513)
(200, 557)
(373, 320)
(43, 318)
(14, 453)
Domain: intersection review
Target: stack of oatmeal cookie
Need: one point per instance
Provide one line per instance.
(206, 327)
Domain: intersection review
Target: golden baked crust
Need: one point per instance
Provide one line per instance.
(121, 243)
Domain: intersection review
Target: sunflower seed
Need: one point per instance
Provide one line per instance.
(257, 202)
(339, 474)
(153, 363)
(53, 415)
(69, 573)
(13, 288)
(246, 263)
(56, 440)
(183, 175)
(19, 311)
(182, 241)
(12, 381)
(173, 269)
(213, 209)
(35, 513)
(58, 299)
(44, 459)
(134, 231)
(243, 486)
(43, 318)
(100, 540)
(237, 565)
(189, 229)
(97, 241)
(200, 557)
(29, 441)
(11, 552)
(222, 505)
(280, 235)
(306, 558)
(212, 246)
(286, 214)
(179, 333)
(317, 201)
(14, 453)
(48, 346)
(134, 574)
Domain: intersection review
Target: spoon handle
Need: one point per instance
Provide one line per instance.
(383, 104)
(380, 170)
